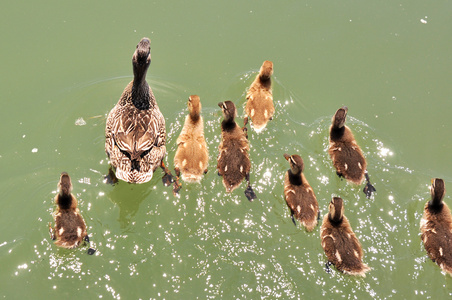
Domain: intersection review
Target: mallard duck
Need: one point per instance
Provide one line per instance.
(348, 159)
(70, 228)
(135, 131)
(436, 227)
(259, 106)
(299, 194)
(192, 156)
(233, 160)
(340, 243)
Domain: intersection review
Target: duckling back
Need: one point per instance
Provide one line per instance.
(342, 247)
(348, 160)
(233, 162)
(259, 106)
(192, 155)
(70, 228)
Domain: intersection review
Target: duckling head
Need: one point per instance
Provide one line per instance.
(65, 184)
(296, 163)
(194, 106)
(437, 190)
(336, 209)
(141, 58)
(266, 70)
(339, 117)
(229, 111)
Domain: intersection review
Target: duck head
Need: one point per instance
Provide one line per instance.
(338, 120)
(65, 184)
(194, 106)
(336, 209)
(266, 70)
(141, 58)
(437, 190)
(229, 111)
(296, 163)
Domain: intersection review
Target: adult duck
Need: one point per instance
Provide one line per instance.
(135, 131)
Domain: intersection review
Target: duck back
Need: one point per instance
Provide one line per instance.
(342, 247)
(70, 228)
(233, 162)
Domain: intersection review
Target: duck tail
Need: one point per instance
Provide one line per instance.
(360, 271)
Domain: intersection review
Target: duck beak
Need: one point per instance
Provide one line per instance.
(220, 104)
(286, 156)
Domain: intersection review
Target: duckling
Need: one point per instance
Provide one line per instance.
(436, 227)
(192, 156)
(345, 153)
(70, 228)
(233, 160)
(341, 246)
(299, 194)
(135, 130)
(259, 105)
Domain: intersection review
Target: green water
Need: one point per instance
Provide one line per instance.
(389, 62)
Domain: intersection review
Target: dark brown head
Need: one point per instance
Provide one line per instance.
(141, 58)
(336, 209)
(65, 185)
(437, 190)
(266, 70)
(229, 111)
(296, 163)
(338, 120)
(194, 106)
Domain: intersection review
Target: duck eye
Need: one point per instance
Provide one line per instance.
(225, 107)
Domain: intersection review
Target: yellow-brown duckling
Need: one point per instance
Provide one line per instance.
(436, 227)
(340, 243)
(259, 106)
(233, 159)
(70, 228)
(192, 156)
(347, 157)
(299, 195)
(135, 130)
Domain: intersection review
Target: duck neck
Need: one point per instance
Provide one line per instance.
(295, 178)
(64, 201)
(436, 202)
(141, 94)
(228, 124)
(337, 132)
(194, 117)
(265, 81)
